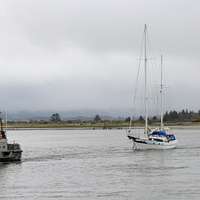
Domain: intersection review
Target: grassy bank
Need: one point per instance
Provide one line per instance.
(91, 125)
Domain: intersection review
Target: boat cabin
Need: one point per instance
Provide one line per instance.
(3, 138)
(162, 136)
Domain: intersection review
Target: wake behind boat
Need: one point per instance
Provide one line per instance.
(158, 138)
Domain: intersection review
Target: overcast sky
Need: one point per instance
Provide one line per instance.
(83, 54)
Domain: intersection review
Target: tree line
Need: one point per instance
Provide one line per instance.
(184, 115)
(175, 116)
(169, 116)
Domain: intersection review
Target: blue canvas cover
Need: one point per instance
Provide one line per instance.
(163, 134)
(159, 133)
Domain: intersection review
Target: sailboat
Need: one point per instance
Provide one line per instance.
(158, 138)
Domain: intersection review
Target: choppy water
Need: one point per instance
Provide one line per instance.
(100, 164)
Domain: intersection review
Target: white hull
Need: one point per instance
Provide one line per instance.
(154, 145)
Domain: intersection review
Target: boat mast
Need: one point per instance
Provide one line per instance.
(6, 121)
(161, 93)
(145, 69)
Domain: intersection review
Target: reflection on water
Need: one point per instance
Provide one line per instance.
(100, 164)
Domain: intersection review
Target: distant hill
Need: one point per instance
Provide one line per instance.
(65, 115)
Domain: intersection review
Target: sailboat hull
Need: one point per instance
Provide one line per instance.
(149, 146)
(145, 144)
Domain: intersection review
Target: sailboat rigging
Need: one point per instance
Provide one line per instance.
(157, 138)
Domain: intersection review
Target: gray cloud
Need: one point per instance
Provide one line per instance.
(79, 54)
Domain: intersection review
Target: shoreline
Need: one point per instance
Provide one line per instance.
(102, 125)
(184, 127)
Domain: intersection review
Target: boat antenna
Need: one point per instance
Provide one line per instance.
(161, 92)
(145, 70)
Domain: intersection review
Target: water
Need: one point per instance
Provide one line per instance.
(100, 164)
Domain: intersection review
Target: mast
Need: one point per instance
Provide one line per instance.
(161, 93)
(145, 70)
(1, 122)
(6, 121)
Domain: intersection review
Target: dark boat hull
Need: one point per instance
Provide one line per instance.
(10, 156)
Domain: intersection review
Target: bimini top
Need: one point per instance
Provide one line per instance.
(159, 133)
(163, 134)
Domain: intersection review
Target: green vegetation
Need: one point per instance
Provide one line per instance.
(68, 124)
(171, 118)
(55, 118)
(182, 116)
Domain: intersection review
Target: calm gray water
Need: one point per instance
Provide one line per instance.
(100, 164)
